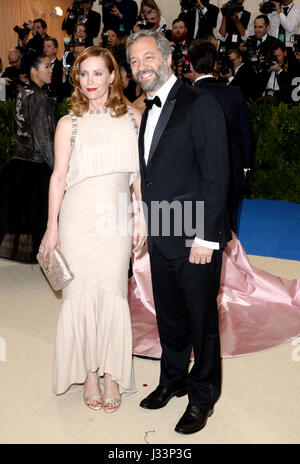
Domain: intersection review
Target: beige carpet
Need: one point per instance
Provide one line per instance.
(259, 404)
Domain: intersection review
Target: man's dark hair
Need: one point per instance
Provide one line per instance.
(206, 36)
(53, 40)
(179, 20)
(43, 23)
(277, 44)
(265, 18)
(203, 56)
(234, 50)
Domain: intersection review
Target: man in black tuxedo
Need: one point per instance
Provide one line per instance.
(55, 88)
(241, 75)
(277, 78)
(261, 38)
(184, 165)
(201, 19)
(203, 58)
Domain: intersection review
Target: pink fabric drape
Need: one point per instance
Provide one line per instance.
(257, 310)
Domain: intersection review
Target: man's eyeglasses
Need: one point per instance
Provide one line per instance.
(12, 63)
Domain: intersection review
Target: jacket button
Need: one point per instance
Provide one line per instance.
(148, 184)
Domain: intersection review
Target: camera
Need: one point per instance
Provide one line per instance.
(226, 65)
(143, 24)
(186, 67)
(76, 8)
(268, 61)
(22, 32)
(295, 39)
(230, 8)
(268, 7)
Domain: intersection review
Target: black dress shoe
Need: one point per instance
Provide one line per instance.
(193, 420)
(161, 396)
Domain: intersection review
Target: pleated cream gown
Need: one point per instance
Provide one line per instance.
(95, 230)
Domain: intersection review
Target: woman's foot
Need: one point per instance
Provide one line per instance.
(111, 396)
(92, 395)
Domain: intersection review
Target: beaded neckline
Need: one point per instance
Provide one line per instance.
(103, 111)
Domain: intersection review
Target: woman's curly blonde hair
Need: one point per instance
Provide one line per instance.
(115, 101)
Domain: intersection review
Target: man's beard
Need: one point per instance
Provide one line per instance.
(178, 36)
(161, 76)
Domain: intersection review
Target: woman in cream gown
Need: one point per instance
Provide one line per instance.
(96, 161)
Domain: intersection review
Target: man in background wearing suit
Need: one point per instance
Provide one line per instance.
(201, 19)
(55, 88)
(241, 75)
(184, 164)
(203, 58)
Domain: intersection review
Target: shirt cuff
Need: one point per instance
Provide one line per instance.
(207, 244)
(230, 78)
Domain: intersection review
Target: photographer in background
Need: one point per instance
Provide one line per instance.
(39, 32)
(154, 17)
(200, 17)
(277, 73)
(80, 34)
(241, 74)
(119, 15)
(259, 43)
(81, 12)
(203, 58)
(13, 75)
(234, 23)
(284, 18)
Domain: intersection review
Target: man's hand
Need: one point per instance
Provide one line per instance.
(200, 254)
(278, 7)
(29, 24)
(116, 12)
(200, 4)
(7, 80)
(243, 47)
(235, 18)
(275, 67)
(228, 75)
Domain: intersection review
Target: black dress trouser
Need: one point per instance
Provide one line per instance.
(185, 297)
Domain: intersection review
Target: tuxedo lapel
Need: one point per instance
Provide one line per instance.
(164, 119)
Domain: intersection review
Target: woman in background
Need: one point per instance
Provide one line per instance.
(24, 182)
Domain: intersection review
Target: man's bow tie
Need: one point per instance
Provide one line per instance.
(155, 101)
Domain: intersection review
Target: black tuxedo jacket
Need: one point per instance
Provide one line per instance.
(291, 69)
(206, 24)
(239, 130)
(246, 80)
(265, 46)
(188, 161)
(56, 85)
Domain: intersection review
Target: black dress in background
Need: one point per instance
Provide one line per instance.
(24, 182)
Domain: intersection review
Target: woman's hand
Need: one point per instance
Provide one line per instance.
(139, 234)
(49, 243)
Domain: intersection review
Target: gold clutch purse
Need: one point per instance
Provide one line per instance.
(58, 275)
